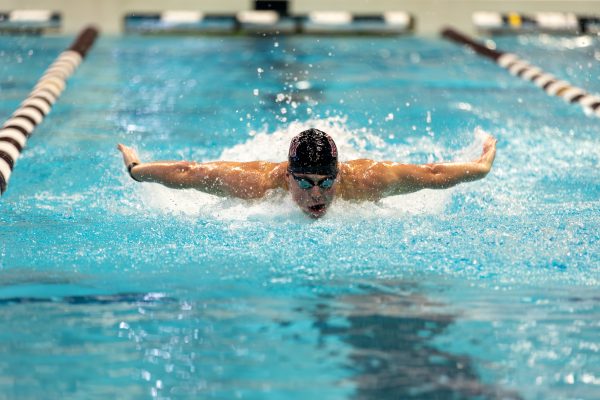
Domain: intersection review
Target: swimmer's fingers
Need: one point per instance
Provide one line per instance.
(489, 144)
(489, 150)
(129, 154)
(122, 148)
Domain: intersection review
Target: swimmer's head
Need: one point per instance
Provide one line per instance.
(312, 171)
(313, 152)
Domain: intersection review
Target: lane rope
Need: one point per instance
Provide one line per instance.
(19, 127)
(523, 69)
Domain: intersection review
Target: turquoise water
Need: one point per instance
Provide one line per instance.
(114, 289)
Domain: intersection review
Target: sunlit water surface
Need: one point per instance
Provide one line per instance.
(114, 289)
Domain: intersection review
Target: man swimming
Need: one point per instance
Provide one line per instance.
(312, 174)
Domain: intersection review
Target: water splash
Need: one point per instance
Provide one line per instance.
(273, 146)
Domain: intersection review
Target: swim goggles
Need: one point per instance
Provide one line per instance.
(305, 183)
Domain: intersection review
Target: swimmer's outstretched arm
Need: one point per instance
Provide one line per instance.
(389, 178)
(247, 180)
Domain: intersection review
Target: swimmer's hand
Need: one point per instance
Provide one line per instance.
(488, 154)
(129, 155)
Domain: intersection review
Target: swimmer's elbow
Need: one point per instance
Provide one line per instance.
(434, 177)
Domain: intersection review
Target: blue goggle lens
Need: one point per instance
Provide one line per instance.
(306, 184)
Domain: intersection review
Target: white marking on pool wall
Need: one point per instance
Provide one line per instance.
(181, 16)
(14, 132)
(518, 67)
(399, 18)
(487, 20)
(258, 17)
(31, 15)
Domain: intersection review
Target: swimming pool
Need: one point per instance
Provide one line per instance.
(111, 288)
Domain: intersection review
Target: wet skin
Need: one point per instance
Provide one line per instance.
(314, 201)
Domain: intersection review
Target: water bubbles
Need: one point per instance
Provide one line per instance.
(464, 106)
(415, 58)
(570, 379)
(145, 375)
(303, 85)
(389, 117)
(259, 71)
(590, 379)
(130, 128)
(256, 92)
(385, 53)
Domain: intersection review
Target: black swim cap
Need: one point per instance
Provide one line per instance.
(313, 152)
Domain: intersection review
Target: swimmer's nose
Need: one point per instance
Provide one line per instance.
(315, 192)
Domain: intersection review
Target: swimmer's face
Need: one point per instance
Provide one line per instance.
(312, 193)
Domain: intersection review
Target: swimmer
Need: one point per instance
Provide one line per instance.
(312, 175)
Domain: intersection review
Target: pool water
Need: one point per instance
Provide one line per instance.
(114, 289)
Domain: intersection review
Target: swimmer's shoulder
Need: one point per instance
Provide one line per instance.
(356, 179)
(359, 169)
(274, 173)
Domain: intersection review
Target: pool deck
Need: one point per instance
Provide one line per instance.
(430, 15)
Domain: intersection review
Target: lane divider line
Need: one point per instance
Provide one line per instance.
(19, 127)
(523, 69)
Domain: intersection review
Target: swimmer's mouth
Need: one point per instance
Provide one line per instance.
(317, 208)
